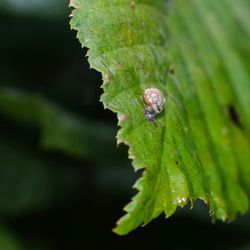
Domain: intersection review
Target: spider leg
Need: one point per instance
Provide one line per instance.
(151, 116)
(154, 121)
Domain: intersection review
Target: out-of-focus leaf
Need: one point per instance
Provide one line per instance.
(44, 8)
(197, 53)
(8, 241)
(31, 181)
(61, 131)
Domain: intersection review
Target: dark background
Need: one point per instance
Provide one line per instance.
(63, 180)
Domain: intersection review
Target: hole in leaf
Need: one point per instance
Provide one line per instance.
(234, 116)
(171, 71)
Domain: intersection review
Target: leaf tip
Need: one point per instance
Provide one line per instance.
(105, 78)
(72, 3)
(122, 118)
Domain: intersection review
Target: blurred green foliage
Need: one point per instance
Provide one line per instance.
(62, 178)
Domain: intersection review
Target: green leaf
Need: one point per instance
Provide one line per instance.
(196, 53)
(31, 181)
(61, 130)
(8, 240)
